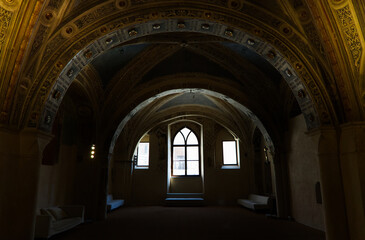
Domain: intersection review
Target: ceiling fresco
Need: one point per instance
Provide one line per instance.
(273, 57)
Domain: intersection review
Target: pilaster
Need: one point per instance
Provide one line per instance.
(352, 155)
(335, 217)
(20, 159)
(281, 185)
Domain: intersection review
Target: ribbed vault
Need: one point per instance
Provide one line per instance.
(107, 31)
(228, 114)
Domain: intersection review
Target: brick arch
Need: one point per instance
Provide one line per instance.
(293, 66)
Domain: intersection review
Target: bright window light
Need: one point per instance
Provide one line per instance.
(143, 154)
(185, 154)
(229, 153)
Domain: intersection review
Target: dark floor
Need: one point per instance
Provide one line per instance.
(178, 223)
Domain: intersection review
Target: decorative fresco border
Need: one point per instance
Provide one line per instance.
(114, 38)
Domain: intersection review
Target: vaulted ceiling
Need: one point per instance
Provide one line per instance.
(265, 61)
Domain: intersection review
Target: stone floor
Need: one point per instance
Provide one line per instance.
(175, 223)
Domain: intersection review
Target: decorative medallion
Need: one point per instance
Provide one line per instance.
(250, 42)
(59, 65)
(48, 17)
(109, 41)
(122, 4)
(208, 14)
(288, 73)
(286, 30)
(271, 54)
(303, 15)
(103, 29)
(70, 73)
(69, 30)
(133, 32)
(257, 32)
(298, 66)
(234, 4)
(88, 54)
(205, 26)
(301, 93)
(10, 5)
(228, 33)
(156, 26)
(181, 25)
(56, 94)
(48, 120)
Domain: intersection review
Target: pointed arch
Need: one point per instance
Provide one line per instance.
(185, 153)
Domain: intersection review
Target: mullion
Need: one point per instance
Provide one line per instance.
(186, 155)
(185, 145)
(186, 164)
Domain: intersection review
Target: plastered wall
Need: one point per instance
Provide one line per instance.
(149, 186)
(70, 180)
(303, 165)
(70, 176)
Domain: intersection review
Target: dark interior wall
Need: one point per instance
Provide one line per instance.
(304, 174)
(225, 186)
(57, 171)
(262, 166)
(70, 179)
(149, 186)
(142, 186)
(65, 178)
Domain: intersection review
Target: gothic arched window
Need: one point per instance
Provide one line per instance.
(185, 154)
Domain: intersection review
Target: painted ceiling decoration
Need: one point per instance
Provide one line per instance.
(96, 48)
(122, 44)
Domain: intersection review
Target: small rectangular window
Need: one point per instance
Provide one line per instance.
(230, 153)
(143, 154)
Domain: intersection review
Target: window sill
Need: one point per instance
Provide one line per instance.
(230, 167)
(185, 176)
(145, 168)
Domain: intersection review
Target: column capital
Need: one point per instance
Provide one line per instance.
(352, 137)
(23, 141)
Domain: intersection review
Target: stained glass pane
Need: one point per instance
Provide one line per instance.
(229, 152)
(179, 139)
(193, 167)
(193, 153)
(192, 139)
